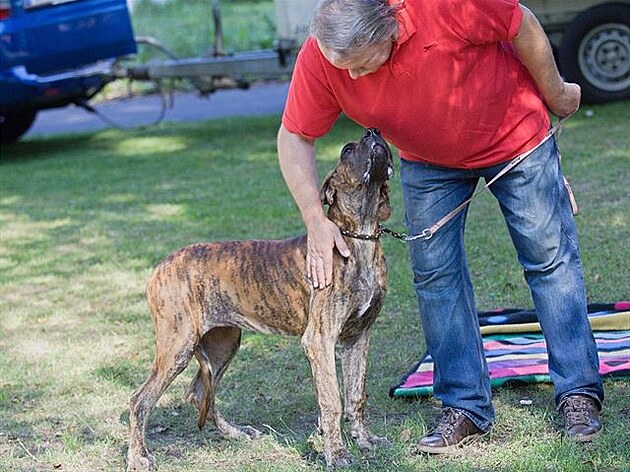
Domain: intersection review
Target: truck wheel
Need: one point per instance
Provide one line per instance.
(14, 125)
(595, 52)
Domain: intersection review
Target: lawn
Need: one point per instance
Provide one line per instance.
(186, 27)
(85, 217)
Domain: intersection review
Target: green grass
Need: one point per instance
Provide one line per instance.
(84, 218)
(186, 27)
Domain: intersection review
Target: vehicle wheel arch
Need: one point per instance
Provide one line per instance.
(14, 124)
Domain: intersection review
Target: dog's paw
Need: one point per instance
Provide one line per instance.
(228, 430)
(140, 463)
(340, 458)
(366, 441)
(380, 441)
(246, 433)
(250, 433)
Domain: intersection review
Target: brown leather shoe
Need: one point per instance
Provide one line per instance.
(453, 430)
(581, 417)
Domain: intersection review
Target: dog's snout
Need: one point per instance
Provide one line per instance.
(372, 133)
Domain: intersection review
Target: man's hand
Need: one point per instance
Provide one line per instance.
(567, 101)
(323, 237)
(297, 163)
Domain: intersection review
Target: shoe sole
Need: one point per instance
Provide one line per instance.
(587, 438)
(451, 448)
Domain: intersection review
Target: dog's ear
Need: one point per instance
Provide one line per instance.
(384, 208)
(327, 192)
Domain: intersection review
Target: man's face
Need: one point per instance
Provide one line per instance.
(362, 63)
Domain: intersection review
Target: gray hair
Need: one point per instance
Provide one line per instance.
(348, 26)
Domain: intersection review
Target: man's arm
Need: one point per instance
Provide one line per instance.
(534, 50)
(297, 163)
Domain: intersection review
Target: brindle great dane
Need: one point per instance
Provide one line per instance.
(203, 295)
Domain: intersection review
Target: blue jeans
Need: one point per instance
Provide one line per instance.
(538, 214)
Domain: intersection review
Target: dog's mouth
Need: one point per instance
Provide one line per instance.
(370, 159)
(379, 163)
(378, 169)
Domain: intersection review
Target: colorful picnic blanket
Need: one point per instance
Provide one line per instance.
(516, 351)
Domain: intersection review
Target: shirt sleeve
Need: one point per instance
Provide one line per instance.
(311, 108)
(486, 21)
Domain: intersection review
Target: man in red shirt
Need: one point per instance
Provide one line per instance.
(460, 87)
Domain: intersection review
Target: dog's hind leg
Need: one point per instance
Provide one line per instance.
(214, 353)
(167, 366)
(173, 351)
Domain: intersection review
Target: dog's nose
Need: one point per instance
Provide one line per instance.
(372, 132)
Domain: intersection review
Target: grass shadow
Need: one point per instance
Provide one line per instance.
(85, 220)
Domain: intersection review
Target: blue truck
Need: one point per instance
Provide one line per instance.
(56, 52)
(59, 52)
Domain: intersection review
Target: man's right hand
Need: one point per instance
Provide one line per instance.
(323, 237)
(296, 155)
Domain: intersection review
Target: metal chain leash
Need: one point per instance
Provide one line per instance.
(428, 233)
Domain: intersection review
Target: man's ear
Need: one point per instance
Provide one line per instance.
(327, 192)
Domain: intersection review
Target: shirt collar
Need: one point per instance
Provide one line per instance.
(406, 26)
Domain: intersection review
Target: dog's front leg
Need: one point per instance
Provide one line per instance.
(320, 350)
(354, 364)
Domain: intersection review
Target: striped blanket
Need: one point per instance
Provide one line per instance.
(516, 351)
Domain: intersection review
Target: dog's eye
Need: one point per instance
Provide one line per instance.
(348, 148)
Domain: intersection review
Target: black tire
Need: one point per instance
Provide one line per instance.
(14, 125)
(595, 53)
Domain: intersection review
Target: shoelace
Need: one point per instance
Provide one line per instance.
(576, 411)
(447, 423)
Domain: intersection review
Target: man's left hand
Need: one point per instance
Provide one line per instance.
(567, 101)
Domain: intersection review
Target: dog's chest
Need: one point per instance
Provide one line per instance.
(368, 300)
(366, 291)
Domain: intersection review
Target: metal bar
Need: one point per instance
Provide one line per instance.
(260, 64)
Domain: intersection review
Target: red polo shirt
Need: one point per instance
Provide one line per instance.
(453, 92)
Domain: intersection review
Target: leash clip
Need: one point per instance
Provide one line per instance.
(425, 235)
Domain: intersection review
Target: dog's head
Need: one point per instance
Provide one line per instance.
(356, 189)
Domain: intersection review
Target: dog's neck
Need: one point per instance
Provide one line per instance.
(358, 216)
